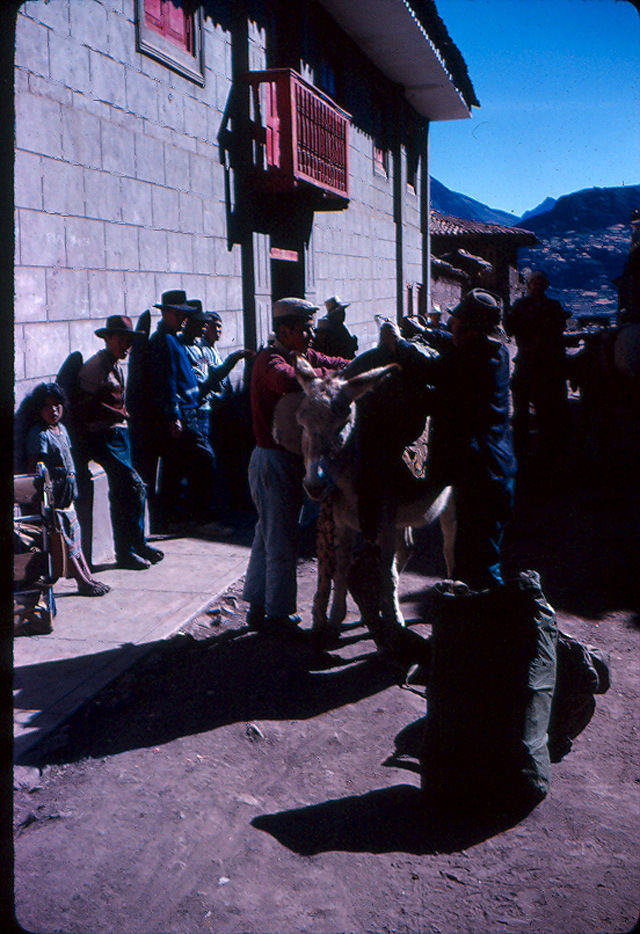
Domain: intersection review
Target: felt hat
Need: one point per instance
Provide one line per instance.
(293, 308)
(175, 299)
(196, 314)
(481, 309)
(213, 316)
(118, 324)
(335, 304)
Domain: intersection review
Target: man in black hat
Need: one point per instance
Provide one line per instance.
(332, 336)
(101, 417)
(184, 449)
(470, 436)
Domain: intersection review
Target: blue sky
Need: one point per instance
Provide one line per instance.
(559, 86)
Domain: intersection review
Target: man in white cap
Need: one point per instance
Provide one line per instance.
(332, 336)
(275, 474)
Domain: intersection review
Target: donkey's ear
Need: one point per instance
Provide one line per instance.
(358, 385)
(304, 371)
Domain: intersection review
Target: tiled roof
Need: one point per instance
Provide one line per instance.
(443, 225)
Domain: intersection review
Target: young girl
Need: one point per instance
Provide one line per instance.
(48, 442)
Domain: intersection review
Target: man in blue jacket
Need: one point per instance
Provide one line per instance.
(470, 438)
(185, 451)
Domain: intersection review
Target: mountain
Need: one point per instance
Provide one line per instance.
(450, 202)
(546, 205)
(584, 243)
(584, 240)
(589, 209)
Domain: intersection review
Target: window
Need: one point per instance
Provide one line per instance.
(171, 32)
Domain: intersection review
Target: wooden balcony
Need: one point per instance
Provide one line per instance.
(299, 136)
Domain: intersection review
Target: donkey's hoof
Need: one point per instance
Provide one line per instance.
(327, 638)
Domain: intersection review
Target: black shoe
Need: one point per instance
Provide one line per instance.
(283, 625)
(133, 562)
(154, 555)
(255, 618)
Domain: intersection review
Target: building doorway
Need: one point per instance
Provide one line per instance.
(287, 273)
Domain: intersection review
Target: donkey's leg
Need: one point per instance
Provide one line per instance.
(343, 547)
(389, 601)
(325, 547)
(449, 524)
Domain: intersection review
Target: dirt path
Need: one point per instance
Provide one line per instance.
(229, 784)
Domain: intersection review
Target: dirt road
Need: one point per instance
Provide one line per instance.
(232, 784)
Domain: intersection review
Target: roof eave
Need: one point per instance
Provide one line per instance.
(393, 38)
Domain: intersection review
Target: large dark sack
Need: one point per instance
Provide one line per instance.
(489, 695)
(582, 671)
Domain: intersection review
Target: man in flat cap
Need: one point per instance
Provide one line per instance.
(332, 336)
(470, 435)
(275, 474)
(101, 418)
(184, 449)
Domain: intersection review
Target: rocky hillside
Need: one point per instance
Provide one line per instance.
(584, 240)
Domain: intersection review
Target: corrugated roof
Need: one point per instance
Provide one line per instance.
(444, 225)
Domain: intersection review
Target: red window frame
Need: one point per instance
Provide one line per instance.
(172, 19)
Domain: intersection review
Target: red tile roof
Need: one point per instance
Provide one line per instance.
(443, 225)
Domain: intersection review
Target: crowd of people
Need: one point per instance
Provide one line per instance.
(179, 376)
(178, 380)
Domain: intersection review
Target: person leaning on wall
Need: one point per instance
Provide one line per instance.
(101, 417)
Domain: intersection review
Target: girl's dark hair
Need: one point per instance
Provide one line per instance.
(29, 413)
(42, 392)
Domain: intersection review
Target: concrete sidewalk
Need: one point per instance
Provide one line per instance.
(94, 639)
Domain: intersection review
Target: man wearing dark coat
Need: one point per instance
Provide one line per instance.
(540, 372)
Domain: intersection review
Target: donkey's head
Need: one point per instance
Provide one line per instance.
(326, 416)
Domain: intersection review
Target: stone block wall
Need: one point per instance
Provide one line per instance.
(119, 187)
(120, 192)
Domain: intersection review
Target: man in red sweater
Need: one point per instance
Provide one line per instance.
(275, 474)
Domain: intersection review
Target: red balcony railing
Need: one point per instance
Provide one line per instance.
(299, 136)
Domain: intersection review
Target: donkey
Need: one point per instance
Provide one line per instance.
(354, 429)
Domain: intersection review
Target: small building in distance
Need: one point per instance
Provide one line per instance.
(466, 254)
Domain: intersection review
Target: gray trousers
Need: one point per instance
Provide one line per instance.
(275, 481)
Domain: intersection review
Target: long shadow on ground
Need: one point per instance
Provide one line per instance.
(187, 686)
(396, 819)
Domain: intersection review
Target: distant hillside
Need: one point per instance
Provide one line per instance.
(546, 205)
(589, 209)
(584, 242)
(584, 239)
(450, 202)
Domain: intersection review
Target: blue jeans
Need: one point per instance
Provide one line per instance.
(127, 496)
(275, 481)
(483, 508)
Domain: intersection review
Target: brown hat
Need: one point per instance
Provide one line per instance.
(335, 304)
(118, 324)
(176, 300)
